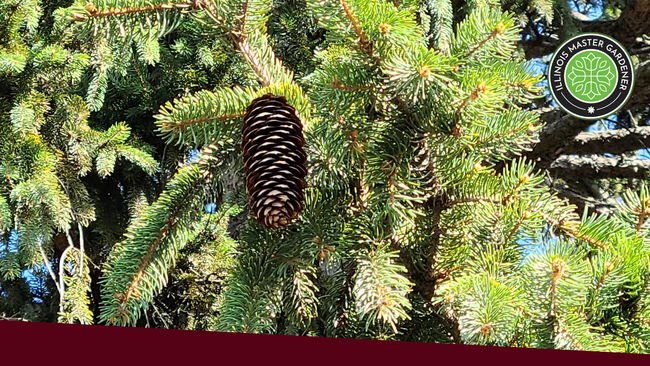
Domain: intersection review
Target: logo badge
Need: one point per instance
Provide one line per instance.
(590, 76)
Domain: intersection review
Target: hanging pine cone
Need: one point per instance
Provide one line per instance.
(274, 159)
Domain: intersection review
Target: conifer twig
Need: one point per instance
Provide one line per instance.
(12, 318)
(62, 278)
(336, 84)
(132, 290)
(642, 217)
(239, 40)
(171, 224)
(500, 28)
(93, 13)
(82, 255)
(573, 232)
(180, 126)
(559, 271)
(46, 261)
(364, 43)
(245, 48)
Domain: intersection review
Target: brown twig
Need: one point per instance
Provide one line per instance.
(182, 125)
(93, 13)
(573, 232)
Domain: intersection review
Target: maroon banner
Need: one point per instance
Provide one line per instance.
(42, 343)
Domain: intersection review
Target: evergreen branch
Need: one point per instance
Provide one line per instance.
(517, 226)
(171, 224)
(425, 280)
(500, 28)
(181, 126)
(568, 227)
(5, 215)
(152, 242)
(364, 43)
(442, 17)
(46, 261)
(559, 271)
(450, 323)
(608, 269)
(472, 200)
(121, 130)
(301, 296)
(123, 25)
(380, 289)
(94, 13)
(76, 302)
(262, 61)
(204, 117)
(244, 13)
(82, 248)
(642, 216)
(13, 10)
(336, 84)
(62, 277)
(564, 330)
(490, 32)
(12, 318)
(244, 47)
(354, 22)
(138, 157)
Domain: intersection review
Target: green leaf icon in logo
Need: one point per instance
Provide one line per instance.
(591, 76)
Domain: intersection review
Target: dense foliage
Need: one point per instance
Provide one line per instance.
(439, 206)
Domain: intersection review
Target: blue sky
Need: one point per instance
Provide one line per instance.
(35, 283)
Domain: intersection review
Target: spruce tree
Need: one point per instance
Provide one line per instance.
(412, 229)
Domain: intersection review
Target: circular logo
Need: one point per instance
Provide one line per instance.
(590, 76)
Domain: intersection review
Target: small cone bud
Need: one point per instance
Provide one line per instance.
(457, 130)
(91, 7)
(425, 71)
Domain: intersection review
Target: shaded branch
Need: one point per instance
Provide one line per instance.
(12, 318)
(180, 126)
(570, 228)
(450, 324)
(556, 134)
(595, 167)
(632, 23)
(641, 93)
(612, 141)
(46, 261)
(244, 47)
(592, 205)
(94, 13)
